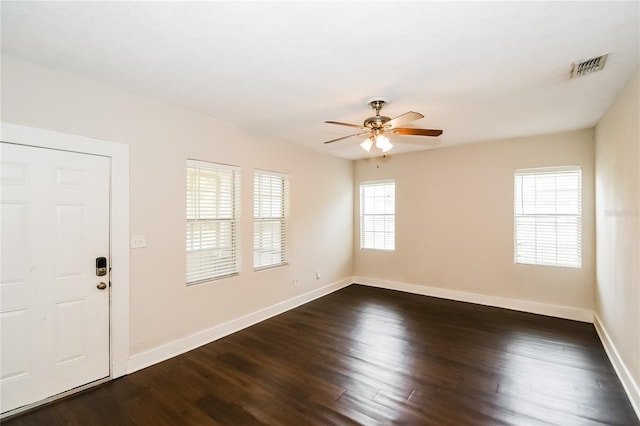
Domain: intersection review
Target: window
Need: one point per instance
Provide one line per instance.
(212, 221)
(270, 219)
(378, 215)
(548, 216)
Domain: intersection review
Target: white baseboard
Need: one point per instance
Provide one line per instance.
(180, 346)
(629, 384)
(566, 312)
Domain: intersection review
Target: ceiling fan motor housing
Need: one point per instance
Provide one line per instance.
(376, 122)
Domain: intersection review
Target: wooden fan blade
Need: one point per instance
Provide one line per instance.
(405, 118)
(345, 137)
(417, 132)
(357, 126)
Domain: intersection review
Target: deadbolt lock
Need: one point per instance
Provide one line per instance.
(101, 266)
(102, 286)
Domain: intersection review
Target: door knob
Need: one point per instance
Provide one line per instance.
(101, 286)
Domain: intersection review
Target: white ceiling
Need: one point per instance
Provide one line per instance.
(477, 70)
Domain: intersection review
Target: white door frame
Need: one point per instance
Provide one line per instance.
(119, 226)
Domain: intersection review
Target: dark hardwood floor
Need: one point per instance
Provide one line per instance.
(370, 356)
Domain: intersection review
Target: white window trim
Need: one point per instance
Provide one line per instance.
(535, 261)
(361, 215)
(285, 218)
(236, 202)
(212, 165)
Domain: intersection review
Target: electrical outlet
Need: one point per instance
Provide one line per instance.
(317, 275)
(296, 283)
(138, 241)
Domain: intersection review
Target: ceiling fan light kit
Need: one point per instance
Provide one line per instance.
(376, 126)
(383, 143)
(366, 145)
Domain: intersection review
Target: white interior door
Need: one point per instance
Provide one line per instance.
(54, 320)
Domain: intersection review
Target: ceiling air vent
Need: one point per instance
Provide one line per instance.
(588, 66)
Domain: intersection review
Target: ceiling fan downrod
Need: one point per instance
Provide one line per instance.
(376, 122)
(377, 103)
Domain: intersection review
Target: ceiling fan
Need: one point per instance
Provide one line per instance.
(378, 125)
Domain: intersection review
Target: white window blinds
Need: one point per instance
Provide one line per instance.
(548, 216)
(271, 219)
(378, 215)
(212, 221)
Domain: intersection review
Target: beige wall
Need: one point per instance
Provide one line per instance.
(161, 137)
(454, 220)
(617, 169)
